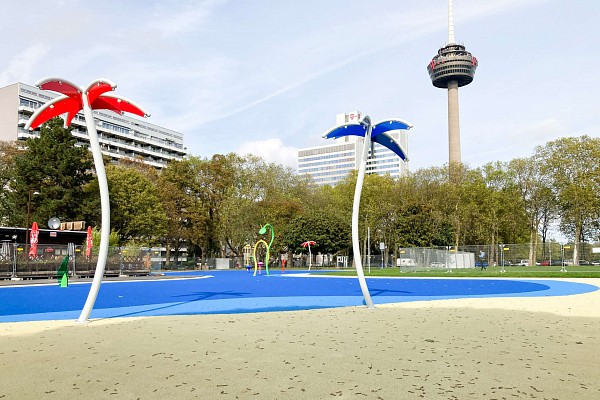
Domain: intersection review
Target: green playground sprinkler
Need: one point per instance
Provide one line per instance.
(262, 231)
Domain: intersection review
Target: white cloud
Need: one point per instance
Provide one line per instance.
(511, 143)
(243, 71)
(22, 65)
(545, 130)
(271, 150)
(285, 71)
(185, 19)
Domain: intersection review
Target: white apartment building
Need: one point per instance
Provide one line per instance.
(331, 163)
(120, 136)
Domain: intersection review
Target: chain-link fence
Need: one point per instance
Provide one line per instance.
(542, 254)
(412, 258)
(449, 257)
(482, 256)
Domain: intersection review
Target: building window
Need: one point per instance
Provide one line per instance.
(28, 103)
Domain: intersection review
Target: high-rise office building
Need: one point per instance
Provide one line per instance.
(120, 136)
(331, 163)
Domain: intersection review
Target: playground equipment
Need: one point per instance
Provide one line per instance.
(63, 273)
(247, 253)
(262, 231)
(372, 133)
(308, 243)
(73, 99)
(256, 260)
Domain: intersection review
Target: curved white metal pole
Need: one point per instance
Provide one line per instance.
(105, 209)
(355, 208)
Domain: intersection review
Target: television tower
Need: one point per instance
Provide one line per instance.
(452, 67)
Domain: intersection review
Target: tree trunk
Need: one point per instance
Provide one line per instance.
(177, 245)
(578, 228)
(364, 250)
(532, 239)
(168, 254)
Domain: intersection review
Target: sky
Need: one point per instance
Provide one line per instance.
(268, 77)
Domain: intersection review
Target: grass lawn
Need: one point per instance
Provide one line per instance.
(490, 272)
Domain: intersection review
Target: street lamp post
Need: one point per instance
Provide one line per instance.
(502, 270)
(369, 248)
(31, 193)
(562, 257)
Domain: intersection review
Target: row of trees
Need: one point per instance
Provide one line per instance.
(214, 206)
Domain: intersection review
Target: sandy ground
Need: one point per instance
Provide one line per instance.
(500, 348)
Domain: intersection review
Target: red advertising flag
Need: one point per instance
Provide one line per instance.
(89, 242)
(34, 235)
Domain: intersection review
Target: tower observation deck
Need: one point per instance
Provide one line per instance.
(451, 68)
(452, 63)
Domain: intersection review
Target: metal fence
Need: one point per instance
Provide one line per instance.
(472, 256)
(16, 263)
(542, 254)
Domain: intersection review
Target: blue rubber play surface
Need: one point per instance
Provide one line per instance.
(224, 292)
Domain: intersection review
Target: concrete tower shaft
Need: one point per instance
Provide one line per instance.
(451, 68)
(453, 124)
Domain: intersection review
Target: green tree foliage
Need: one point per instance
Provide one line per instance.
(179, 192)
(8, 171)
(572, 168)
(58, 169)
(215, 178)
(135, 208)
(113, 240)
(215, 206)
(331, 234)
(539, 205)
(261, 193)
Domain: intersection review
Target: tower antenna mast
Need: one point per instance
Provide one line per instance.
(450, 24)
